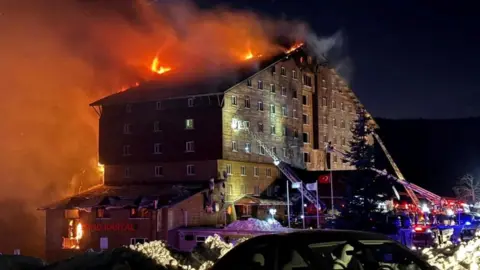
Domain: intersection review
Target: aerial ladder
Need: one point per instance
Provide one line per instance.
(284, 168)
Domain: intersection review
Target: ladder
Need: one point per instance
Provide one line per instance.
(285, 169)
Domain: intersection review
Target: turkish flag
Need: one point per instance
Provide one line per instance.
(323, 179)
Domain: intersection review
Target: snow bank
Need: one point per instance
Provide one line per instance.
(253, 224)
(465, 256)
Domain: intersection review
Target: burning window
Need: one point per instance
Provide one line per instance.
(101, 212)
(190, 146)
(247, 102)
(126, 150)
(158, 171)
(189, 124)
(260, 85)
(139, 213)
(283, 71)
(75, 234)
(260, 106)
(190, 169)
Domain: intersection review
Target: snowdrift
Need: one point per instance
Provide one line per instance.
(253, 224)
(465, 256)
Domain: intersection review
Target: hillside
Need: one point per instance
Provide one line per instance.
(433, 153)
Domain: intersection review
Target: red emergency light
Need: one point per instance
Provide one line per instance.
(419, 229)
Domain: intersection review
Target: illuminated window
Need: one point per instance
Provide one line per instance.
(189, 124)
(158, 171)
(248, 147)
(101, 213)
(127, 128)
(283, 71)
(190, 146)
(126, 150)
(190, 169)
(190, 102)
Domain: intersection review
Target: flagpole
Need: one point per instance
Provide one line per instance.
(303, 205)
(318, 214)
(288, 205)
(331, 186)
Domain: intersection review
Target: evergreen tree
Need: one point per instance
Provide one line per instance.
(362, 152)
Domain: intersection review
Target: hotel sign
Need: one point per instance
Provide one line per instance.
(115, 227)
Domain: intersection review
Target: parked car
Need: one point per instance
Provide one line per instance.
(321, 249)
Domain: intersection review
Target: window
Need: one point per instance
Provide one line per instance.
(283, 71)
(157, 148)
(256, 171)
(295, 133)
(249, 83)
(306, 157)
(274, 69)
(260, 127)
(294, 114)
(294, 74)
(305, 119)
(284, 151)
(334, 122)
(190, 102)
(284, 131)
(325, 138)
(156, 126)
(294, 93)
(103, 243)
(190, 146)
(261, 150)
(126, 173)
(127, 128)
(342, 141)
(309, 60)
(272, 130)
(342, 123)
(284, 91)
(158, 171)
(234, 100)
(305, 137)
(256, 190)
(128, 108)
(243, 171)
(126, 150)
(350, 108)
(272, 88)
(335, 159)
(305, 100)
(272, 108)
(234, 146)
(190, 169)
(134, 241)
(229, 169)
(325, 120)
(247, 102)
(274, 150)
(335, 140)
(324, 102)
(269, 172)
(260, 85)
(342, 106)
(260, 106)
(189, 124)
(307, 80)
(230, 189)
(284, 111)
(101, 213)
(158, 105)
(248, 147)
(334, 104)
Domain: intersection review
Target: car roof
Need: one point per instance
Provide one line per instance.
(323, 236)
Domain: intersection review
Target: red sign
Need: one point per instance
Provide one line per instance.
(323, 179)
(117, 227)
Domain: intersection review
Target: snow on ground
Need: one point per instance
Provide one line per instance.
(253, 224)
(465, 256)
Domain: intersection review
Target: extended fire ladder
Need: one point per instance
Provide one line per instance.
(284, 168)
(410, 188)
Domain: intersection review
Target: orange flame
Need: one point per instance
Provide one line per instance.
(125, 87)
(294, 47)
(249, 55)
(156, 68)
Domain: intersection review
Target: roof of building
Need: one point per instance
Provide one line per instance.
(173, 85)
(259, 200)
(128, 196)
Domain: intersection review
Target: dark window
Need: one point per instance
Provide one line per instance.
(294, 93)
(305, 137)
(249, 83)
(307, 80)
(305, 119)
(283, 71)
(305, 100)
(260, 85)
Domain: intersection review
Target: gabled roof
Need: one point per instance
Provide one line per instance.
(172, 85)
(128, 196)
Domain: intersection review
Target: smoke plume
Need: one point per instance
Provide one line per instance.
(57, 56)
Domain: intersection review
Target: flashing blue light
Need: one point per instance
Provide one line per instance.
(468, 223)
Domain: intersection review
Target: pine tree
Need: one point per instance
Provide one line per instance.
(361, 153)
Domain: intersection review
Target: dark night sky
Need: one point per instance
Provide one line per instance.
(410, 58)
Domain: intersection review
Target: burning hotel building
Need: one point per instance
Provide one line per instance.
(176, 155)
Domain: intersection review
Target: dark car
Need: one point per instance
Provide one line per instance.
(321, 249)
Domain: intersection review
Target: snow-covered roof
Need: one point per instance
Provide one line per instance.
(128, 196)
(256, 200)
